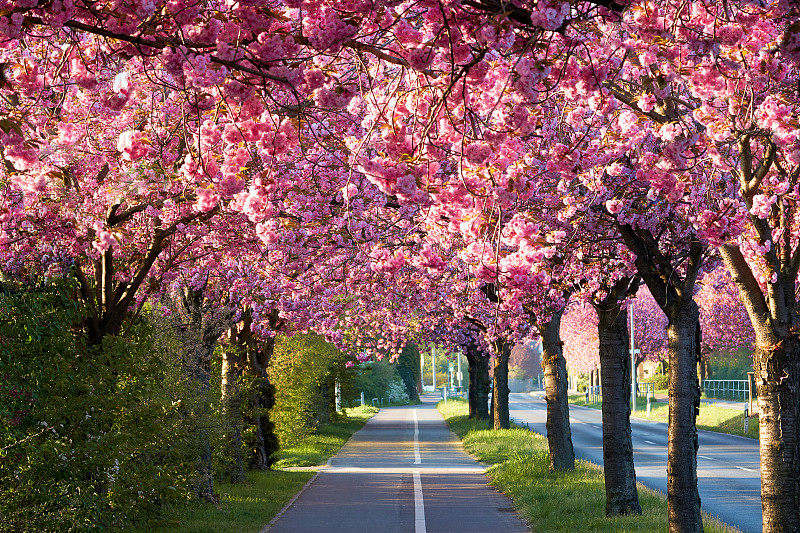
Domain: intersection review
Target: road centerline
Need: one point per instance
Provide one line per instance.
(419, 505)
(417, 457)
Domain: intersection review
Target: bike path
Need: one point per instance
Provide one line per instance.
(404, 471)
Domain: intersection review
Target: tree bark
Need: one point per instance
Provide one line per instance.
(500, 415)
(559, 435)
(199, 336)
(478, 395)
(776, 363)
(622, 497)
(673, 290)
(232, 411)
(259, 354)
(777, 377)
(683, 499)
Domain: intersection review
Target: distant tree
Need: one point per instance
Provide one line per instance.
(408, 367)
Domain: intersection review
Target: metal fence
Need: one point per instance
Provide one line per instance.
(594, 394)
(729, 389)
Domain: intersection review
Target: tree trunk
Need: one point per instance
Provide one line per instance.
(776, 364)
(232, 411)
(500, 416)
(683, 499)
(559, 435)
(777, 374)
(673, 290)
(478, 382)
(266, 439)
(259, 354)
(199, 337)
(615, 378)
(484, 386)
(472, 390)
(205, 468)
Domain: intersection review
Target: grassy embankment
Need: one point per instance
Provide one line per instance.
(553, 502)
(251, 505)
(712, 417)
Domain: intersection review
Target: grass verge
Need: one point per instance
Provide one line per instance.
(249, 506)
(558, 501)
(712, 417)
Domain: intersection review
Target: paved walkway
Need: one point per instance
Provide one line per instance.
(404, 471)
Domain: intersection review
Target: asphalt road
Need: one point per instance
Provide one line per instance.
(727, 465)
(404, 471)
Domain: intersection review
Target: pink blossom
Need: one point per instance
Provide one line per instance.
(133, 145)
(68, 133)
(614, 206)
(104, 241)
(762, 204)
(647, 102)
(207, 199)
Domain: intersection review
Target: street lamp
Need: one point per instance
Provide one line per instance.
(634, 351)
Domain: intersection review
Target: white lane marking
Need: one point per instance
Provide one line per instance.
(419, 506)
(650, 442)
(595, 427)
(454, 469)
(707, 457)
(417, 458)
(745, 469)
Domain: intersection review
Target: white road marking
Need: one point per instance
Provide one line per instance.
(417, 458)
(650, 442)
(595, 427)
(745, 469)
(707, 457)
(419, 506)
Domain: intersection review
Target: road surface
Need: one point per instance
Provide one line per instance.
(727, 465)
(404, 471)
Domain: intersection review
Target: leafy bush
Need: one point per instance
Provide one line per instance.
(731, 365)
(660, 381)
(374, 377)
(303, 370)
(583, 382)
(396, 392)
(92, 438)
(408, 367)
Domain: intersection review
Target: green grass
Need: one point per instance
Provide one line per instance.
(559, 501)
(712, 417)
(248, 507)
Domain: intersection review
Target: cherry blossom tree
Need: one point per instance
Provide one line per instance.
(579, 330)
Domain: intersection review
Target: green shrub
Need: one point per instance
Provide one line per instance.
(373, 378)
(396, 392)
(731, 365)
(92, 438)
(304, 369)
(583, 382)
(660, 381)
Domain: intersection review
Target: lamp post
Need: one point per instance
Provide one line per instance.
(433, 366)
(459, 371)
(422, 372)
(634, 351)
